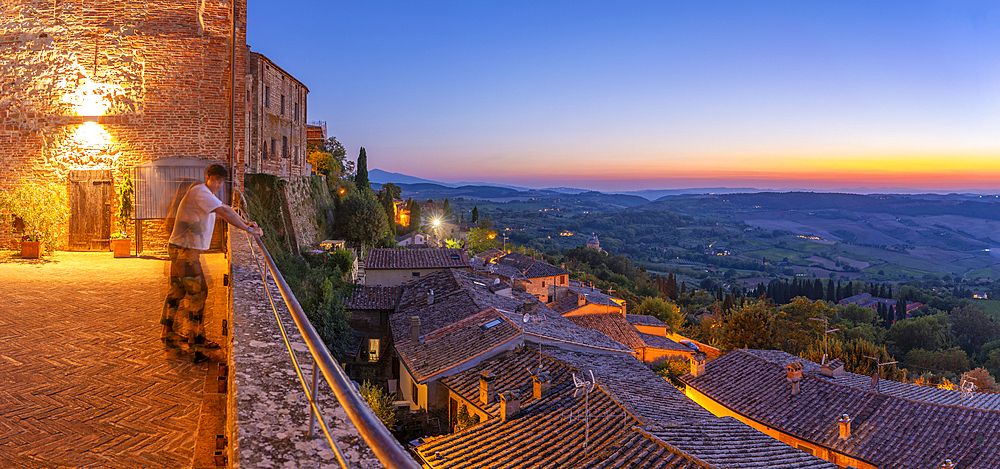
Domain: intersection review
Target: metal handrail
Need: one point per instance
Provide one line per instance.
(389, 452)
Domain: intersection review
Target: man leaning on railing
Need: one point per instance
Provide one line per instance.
(192, 234)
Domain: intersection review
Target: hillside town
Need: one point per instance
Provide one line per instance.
(402, 331)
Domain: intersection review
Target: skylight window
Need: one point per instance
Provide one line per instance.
(492, 324)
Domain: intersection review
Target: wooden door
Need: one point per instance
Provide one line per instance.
(90, 195)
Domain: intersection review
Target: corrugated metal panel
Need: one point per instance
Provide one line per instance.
(159, 182)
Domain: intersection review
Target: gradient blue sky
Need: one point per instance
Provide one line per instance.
(652, 95)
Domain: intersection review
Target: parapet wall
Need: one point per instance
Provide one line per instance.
(268, 409)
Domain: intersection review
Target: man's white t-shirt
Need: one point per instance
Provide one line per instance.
(195, 219)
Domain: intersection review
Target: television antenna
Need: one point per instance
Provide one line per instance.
(967, 386)
(878, 372)
(537, 319)
(826, 349)
(584, 387)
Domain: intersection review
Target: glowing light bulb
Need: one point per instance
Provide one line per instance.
(88, 99)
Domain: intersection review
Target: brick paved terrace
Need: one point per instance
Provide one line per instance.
(84, 378)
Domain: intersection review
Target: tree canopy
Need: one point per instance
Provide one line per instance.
(361, 177)
(362, 219)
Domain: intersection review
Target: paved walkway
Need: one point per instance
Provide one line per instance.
(84, 379)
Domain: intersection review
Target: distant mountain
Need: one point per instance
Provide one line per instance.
(378, 176)
(653, 194)
(381, 177)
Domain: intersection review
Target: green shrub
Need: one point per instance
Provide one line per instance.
(44, 208)
(381, 402)
(672, 370)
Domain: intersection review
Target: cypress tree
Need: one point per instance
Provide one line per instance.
(475, 214)
(447, 209)
(831, 294)
(361, 176)
(414, 216)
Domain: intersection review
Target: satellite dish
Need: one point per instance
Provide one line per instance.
(526, 318)
(496, 281)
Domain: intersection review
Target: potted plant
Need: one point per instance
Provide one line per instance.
(31, 246)
(43, 209)
(121, 245)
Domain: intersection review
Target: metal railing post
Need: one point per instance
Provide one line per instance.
(312, 400)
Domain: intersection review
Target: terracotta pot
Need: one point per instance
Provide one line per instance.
(31, 249)
(122, 247)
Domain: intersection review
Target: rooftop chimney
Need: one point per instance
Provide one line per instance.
(794, 371)
(832, 369)
(697, 364)
(415, 329)
(541, 383)
(430, 297)
(845, 426)
(947, 464)
(487, 392)
(510, 405)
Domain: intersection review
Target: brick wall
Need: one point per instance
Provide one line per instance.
(276, 134)
(160, 67)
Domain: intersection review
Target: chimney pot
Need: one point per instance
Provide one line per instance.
(794, 375)
(430, 297)
(947, 464)
(415, 329)
(487, 391)
(510, 405)
(697, 364)
(845, 426)
(541, 383)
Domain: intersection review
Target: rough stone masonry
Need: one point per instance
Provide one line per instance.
(157, 71)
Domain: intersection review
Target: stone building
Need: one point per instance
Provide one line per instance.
(276, 130)
(92, 92)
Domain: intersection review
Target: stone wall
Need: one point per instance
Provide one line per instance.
(308, 200)
(157, 72)
(276, 133)
(268, 410)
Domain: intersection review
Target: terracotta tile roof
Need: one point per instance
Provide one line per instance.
(490, 254)
(640, 449)
(594, 296)
(729, 443)
(888, 431)
(365, 297)
(651, 398)
(565, 304)
(545, 434)
(459, 295)
(663, 343)
(452, 346)
(612, 325)
(510, 371)
(658, 427)
(530, 268)
(644, 320)
(927, 394)
(430, 258)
